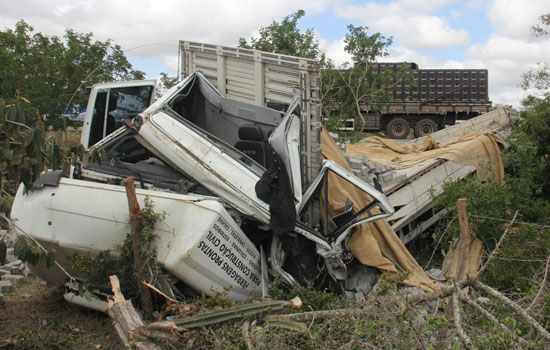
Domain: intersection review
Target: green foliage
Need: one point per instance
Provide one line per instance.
(167, 80)
(148, 218)
(3, 251)
(285, 38)
(312, 298)
(527, 160)
(389, 283)
(538, 78)
(490, 208)
(96, 270)
(526, 190)
(25, 150)
(30, 253)
(487, 201)
(365, 48)
(6, 201)
(218, 300)
(49, 69)
(345, 90)
(334, 123)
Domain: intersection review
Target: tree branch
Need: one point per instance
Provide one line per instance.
(514, 306)
(458, 319)
(542, 284)
(126, 319)
(20, 124)
(495, 251)
(465, 298)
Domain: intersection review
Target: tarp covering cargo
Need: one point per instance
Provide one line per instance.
(374, 244)
(479, 149)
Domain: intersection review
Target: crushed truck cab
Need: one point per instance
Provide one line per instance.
(202, 159)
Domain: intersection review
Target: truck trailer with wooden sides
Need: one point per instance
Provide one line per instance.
(426, 102)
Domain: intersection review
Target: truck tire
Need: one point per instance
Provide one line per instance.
(425, 127)
(398, 128)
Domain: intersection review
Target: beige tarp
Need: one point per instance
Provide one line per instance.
(477, 149)
(374, 244)
(377, 244)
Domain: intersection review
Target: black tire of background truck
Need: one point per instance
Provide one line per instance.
(398, 128)
(425, 127)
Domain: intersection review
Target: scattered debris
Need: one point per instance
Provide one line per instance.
(14, 270)
(135, 334)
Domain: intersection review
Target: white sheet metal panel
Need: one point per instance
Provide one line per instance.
(197, 241)
(415, 196)
(189, 152)
(491, 121)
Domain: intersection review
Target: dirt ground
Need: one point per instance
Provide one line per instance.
(36, 316)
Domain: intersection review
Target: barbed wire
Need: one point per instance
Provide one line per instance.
(440, 238)
(504, 220)
(513, 259)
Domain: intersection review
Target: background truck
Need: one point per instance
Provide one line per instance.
(430, 100)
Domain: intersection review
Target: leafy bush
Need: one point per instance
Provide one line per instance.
(96, 270)
(491, 206)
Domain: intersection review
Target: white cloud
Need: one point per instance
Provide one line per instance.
(335, 51)
(424, 6)
(507, 58)
(513, 18)
(410, 22)
(137, 23)
(404, 54)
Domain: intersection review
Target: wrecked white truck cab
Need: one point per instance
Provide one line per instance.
(228, 176)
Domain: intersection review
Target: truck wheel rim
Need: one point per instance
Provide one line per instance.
(398, 129)
(426, 129)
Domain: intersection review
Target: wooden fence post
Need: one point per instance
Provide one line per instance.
(133, 206)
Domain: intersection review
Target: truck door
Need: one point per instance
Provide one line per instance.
(285, 141)
(113, 105)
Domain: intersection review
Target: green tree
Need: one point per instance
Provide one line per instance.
(25, 150)
(285, 38)
(365, 83)
(538, 78)
(48, 70)
(532, 129)
(168, 81)
(526, 190)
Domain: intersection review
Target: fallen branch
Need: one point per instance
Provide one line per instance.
(495, 251)
(159, 292)
(465, 298)
(245, 330)
(441, 293)
(170, 330)
(542, 284)
(458, 319)
(126, 319)
(514, 306)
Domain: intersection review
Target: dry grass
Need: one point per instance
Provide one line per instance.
(35, 316)
(68, 139)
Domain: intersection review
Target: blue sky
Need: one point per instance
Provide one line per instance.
(332, 28)
(491, 34)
